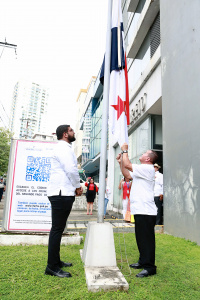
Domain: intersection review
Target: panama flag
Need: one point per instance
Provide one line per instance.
(119, 95)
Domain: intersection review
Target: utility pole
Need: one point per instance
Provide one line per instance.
(7, 45)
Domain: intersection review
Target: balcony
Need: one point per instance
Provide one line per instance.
(81, 123)
(147, 17)
(146, 74)
(98, 88)
(132, 5)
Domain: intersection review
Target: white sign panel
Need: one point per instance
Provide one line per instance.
(29, 207)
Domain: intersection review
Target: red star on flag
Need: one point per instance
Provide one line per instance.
(120, 107)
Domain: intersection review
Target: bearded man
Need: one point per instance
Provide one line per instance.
(63, 185)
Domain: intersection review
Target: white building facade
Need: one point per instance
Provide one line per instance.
(141, 20)
(44, 137)
(180, 36)
(28, 110)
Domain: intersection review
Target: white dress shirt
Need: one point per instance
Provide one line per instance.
(158, 188)
(64, 172)
(142, 190)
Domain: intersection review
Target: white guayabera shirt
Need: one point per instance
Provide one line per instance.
(64, 172)
(158, 188)
(142, 190)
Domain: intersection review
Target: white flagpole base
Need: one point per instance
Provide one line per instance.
(99, 248)
(99, 258)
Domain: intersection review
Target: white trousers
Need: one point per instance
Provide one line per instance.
(124, 204)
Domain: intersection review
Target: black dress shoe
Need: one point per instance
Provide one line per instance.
(58, 273)
(145, 273)
(63, 264)
(136, 266)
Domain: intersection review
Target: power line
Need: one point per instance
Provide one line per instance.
(3, 122)
(7, 45)
(3, 118)
(4, 110)
(2, 52)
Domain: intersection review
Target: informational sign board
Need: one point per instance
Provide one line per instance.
(27, 207)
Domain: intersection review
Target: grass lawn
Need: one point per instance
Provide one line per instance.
(178, 273)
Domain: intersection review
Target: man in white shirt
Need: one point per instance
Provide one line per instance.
(158, 194)
(142, 206)
(63, 185)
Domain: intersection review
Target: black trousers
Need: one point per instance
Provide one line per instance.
(159, 205)
(1, 193)
(145, 238)
(60, 209)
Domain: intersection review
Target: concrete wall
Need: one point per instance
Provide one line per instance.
(180, 52)
(80, 203)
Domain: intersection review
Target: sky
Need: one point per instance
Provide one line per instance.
(60, 45)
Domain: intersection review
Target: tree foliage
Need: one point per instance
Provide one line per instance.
(5, 139)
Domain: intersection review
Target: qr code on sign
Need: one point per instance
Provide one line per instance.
(38, 168)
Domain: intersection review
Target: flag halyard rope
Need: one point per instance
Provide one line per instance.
(120, 246)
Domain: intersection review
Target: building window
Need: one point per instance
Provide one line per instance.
(141, 61)
(156, 125)
(155, 35)
(96, 127)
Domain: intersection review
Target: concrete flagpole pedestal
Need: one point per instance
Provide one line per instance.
(99, 248)
(99, 257)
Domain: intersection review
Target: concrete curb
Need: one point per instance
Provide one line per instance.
(25, 239)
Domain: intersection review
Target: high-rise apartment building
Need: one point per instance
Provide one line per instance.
(83, 123)
(29, 109)
(78, 131)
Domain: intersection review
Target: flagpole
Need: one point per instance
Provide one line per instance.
(119, 38)
(104, 131)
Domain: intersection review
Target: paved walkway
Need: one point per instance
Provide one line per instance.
(78, 221)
